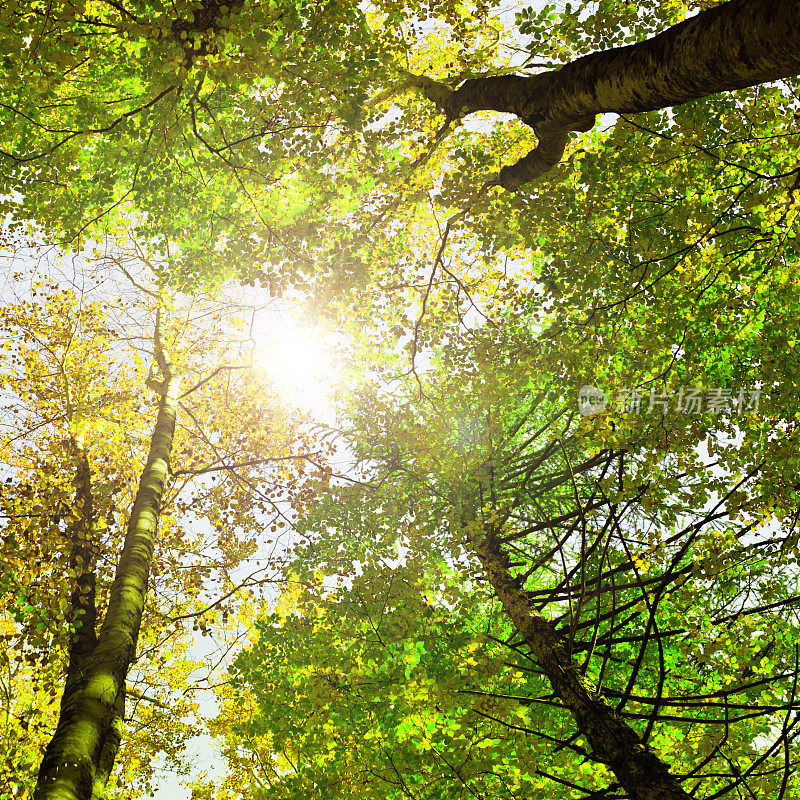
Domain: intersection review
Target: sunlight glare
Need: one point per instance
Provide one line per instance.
(302, 364)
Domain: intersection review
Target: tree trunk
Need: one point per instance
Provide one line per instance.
(642, 774)
(737, 44)
(78, 759)
(108, 755)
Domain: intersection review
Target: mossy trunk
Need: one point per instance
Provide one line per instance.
(79, 758)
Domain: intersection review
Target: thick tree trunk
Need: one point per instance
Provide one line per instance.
(78, 759)
(642, 774)
(737, 44)
(108, 755)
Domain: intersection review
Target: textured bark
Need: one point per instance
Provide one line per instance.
(642, 774)
(108, 755)
(82, 560)
(78, 759)
(737, 44)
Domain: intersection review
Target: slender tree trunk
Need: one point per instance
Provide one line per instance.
(82, 559)
(737, 44)
(642, 774)
(79, 758)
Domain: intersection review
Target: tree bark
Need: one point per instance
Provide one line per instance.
(731, 46)
(642, 774)
(82, 559)
(79, 757)
(108, 754)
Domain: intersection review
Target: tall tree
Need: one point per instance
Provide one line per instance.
(662, 624)
(79, 757)
(76, 422)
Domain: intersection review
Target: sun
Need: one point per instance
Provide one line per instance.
(302, 363)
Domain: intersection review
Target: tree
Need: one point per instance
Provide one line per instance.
(61, 349)
(621, 584)
(629, 249)
(72, 459)
(726, 47)
(78, 760)
(212, 110)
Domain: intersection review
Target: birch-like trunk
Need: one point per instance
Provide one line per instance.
(79, 757)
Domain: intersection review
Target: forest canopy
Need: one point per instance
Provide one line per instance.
(529, 529)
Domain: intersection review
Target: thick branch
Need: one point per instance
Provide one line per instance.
(734, 45)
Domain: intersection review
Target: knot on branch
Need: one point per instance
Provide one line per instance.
(152, 382)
